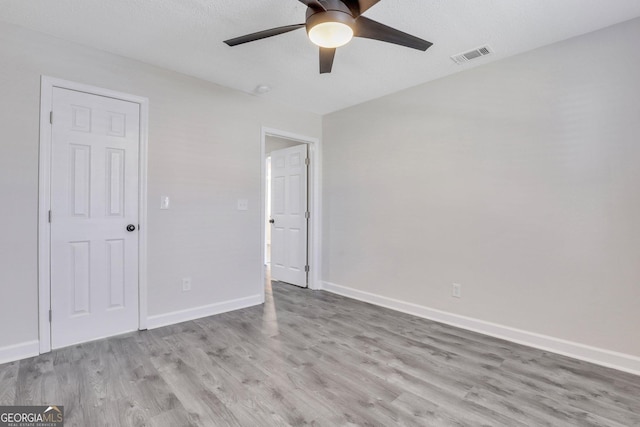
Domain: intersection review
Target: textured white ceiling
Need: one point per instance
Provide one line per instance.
(186, 36)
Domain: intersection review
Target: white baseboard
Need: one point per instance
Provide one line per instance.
(610, 359)
(23, 350)
(174, 317)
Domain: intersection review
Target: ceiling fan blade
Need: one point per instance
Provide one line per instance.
(370, 29)
(326, 59)
(358, 7)
(314, 4)
(262, 34)
(366, 4)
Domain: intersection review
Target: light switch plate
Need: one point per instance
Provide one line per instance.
(164, 202)
(243, 204)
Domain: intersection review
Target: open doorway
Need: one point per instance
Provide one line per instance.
(290, 208)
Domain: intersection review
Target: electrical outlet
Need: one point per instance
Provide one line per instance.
(164, 202)
(457, 290)
(243, 204)
(186, 284)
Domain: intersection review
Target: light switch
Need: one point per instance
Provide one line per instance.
(243, 204)
(164, 202)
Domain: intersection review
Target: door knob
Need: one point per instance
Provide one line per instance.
(131, 228)
(272, 221)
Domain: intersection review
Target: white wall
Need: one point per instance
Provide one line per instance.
(519, 179)
(204, 152)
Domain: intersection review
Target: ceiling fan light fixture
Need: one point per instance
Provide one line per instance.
(331, 34)
(333, 23)
(330, 29)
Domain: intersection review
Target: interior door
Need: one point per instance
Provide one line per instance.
(94, 217)
(289, 215)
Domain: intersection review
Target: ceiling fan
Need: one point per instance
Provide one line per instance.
(333, 23)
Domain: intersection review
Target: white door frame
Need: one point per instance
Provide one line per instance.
(314, 196)
(44, 200)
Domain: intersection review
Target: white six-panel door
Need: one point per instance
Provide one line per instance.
(94, 197)
(288, 209)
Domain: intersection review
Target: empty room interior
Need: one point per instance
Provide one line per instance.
(320, 212)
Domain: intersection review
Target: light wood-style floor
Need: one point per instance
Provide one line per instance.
(313, 358)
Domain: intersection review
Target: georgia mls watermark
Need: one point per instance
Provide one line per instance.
(32, 416)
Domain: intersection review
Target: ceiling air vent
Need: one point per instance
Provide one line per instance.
(472, 54)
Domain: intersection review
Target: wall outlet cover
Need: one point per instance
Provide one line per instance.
(457, 290)
(164, 202)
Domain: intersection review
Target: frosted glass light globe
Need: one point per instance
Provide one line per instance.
(331, 34)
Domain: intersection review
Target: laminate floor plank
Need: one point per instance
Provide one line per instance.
(253, 380)
(8, 381)
(318, 359)
(173, 418)
(193, 394)
(279, 373)
(36, 380)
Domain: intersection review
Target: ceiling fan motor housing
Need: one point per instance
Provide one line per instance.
(336, 11)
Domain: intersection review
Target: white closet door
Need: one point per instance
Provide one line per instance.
(94, 212)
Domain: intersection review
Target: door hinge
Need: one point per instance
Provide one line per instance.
(307, 215)
(50, 316)
(306, 268)
(49, 217)
(51, 117)
(307, 161)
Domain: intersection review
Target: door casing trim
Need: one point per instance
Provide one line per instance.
(47, 84)
(315, 206)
